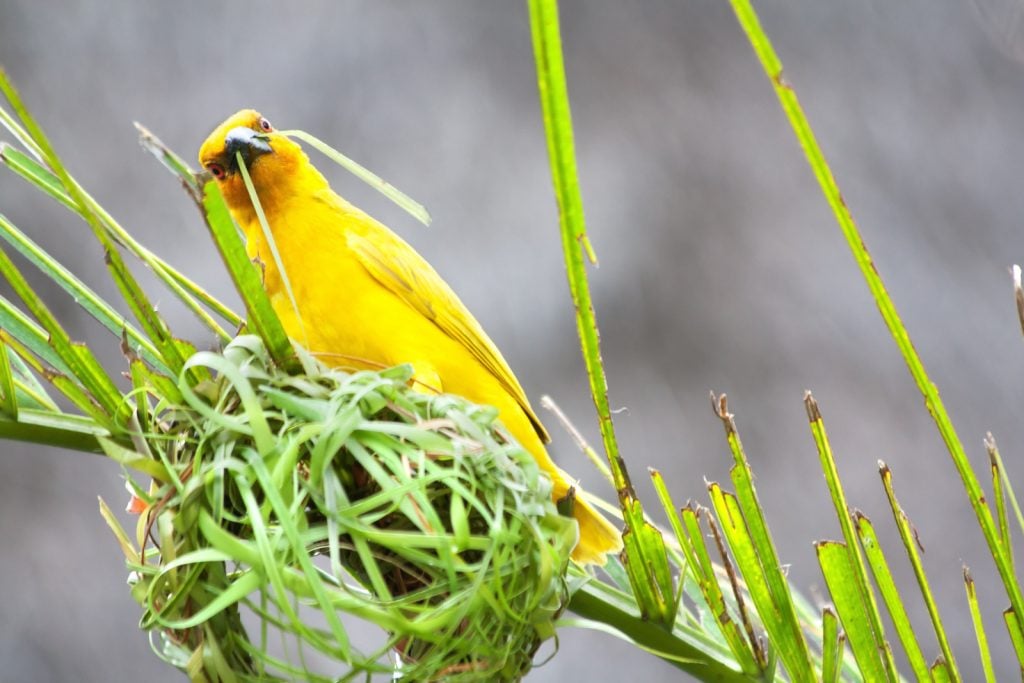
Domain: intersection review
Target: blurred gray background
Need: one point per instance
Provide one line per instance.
(721, 266)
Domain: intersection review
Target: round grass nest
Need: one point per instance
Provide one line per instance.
(296, 509)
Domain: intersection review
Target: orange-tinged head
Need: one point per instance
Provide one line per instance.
(277, 165)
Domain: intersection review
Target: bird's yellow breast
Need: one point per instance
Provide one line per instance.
(345, 316)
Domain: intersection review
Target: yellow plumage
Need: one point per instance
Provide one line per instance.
(366, 299)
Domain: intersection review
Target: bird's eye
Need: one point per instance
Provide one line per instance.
(216, 170)
(265, 125)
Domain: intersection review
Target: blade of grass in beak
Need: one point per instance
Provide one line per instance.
(268, 235)
(407, 203)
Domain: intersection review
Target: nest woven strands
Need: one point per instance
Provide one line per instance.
(292, 499)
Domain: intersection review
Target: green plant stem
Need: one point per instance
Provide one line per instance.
(56, 430)
(910, 542)
(97, 384)
(261, 317)
(831, 646)
(853, 547)
(742, 517)
(644, 546)
(82, 294)
(979, 628)
(129, 287)
(589, 603)
(10, 392)
(554, 100)
(997, 461)
(891, 595)
(816, 159)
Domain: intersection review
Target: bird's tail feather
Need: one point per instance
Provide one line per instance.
(598, 537)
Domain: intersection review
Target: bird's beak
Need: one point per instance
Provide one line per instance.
(247, 141)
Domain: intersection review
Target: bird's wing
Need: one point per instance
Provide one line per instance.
(405, 273)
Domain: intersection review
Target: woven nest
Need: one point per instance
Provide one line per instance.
(292, 503)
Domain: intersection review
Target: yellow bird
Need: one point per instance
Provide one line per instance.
(366, 299)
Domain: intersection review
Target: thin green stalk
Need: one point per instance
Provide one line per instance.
(842, 586)
(268, 235)
(129, 287)
(27, 396)
(554, 99)
(260, 312)
(28, 383)
(194, 186)
(979, 628)
(910, 543)
(831, 646)
(999, 501)
(85, 367)
(835, 488)
(19, 133)
(171, 161)
(744, 646)
(49, 429)
(65, 384)
(83, 295)
(994, 457)
(816, 159)
(8, 392)
(752, 529)
(18, 325)
(1013, 626)
(187, 291)
(891, 596)
(593, 601)
(644, 545)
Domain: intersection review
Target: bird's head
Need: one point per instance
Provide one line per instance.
(275, 163)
